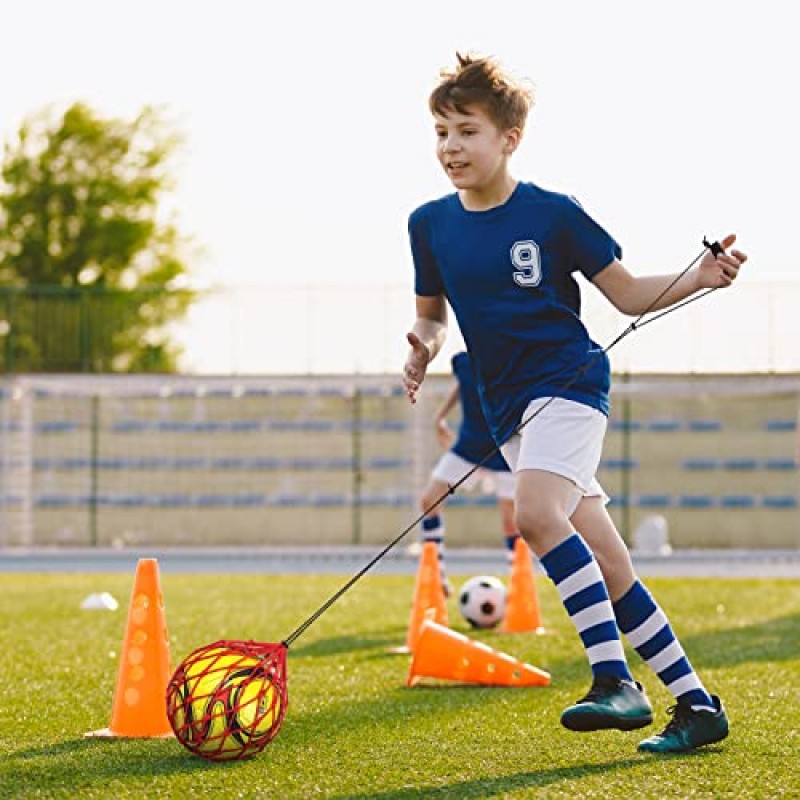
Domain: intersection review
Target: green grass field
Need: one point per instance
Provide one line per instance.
(353, 730)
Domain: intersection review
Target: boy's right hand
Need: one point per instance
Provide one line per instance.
(415, 367)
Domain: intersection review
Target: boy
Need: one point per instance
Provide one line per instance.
(502, 253)
(473, 443)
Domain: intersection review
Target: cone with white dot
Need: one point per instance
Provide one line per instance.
(140, 708)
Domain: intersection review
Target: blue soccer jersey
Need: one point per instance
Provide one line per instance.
(508, 274)
(474, 440)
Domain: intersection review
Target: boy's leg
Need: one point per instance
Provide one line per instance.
(698, 717)
(510, 540)
(505, 501)
(554, 458)
(433, 531)
(615, 700)
(449, 469)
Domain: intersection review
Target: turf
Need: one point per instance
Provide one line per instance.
(353, 730)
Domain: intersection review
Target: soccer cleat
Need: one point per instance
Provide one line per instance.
(688, 729)
(610, 703)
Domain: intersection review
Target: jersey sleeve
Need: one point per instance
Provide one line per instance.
(589, 246)
(427, 278)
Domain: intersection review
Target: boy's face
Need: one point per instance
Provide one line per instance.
(471, 149)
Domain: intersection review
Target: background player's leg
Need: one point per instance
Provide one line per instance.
(505, 502)
(432, 527)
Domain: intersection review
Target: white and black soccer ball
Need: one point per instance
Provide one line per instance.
(482, 601)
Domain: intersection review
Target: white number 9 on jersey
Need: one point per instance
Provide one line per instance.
(525, 257)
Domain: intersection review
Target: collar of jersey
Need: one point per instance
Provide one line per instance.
(489, 213)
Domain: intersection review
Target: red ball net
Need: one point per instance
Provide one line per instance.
(226, 701)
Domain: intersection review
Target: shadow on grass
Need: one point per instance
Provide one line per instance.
(79, 763)
(390, 642)
(336, 645)
(773, 640)
(533, 779)
(401, 705)
(770, 641)
(98, 757)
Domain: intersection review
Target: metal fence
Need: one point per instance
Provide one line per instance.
(334, 329)
(46, 329)
(120, 461)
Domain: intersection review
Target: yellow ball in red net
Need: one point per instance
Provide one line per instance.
(227, 700)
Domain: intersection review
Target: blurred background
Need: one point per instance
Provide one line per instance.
(205, 280)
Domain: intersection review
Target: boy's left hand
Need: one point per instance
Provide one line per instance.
(717, 272)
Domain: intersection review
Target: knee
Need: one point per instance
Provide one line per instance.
(427, 501)
(537, 524)
(611, 554)
(617, 569)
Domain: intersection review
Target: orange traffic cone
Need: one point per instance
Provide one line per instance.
(428, 594)
(443, 653)
(522, 604)
(140, 706)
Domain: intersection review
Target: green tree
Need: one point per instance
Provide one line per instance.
(91, 268)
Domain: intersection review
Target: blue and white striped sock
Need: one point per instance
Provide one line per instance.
(576, 574)
(648, 630)
(433, 531)
(511, 542)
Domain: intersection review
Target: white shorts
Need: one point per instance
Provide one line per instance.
(451, 468)
(566, 438)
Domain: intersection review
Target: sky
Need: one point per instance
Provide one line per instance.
(308, 143)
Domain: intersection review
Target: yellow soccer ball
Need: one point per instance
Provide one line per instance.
(254, 703)
(222, 704)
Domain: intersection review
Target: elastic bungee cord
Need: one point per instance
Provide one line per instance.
(715, 248)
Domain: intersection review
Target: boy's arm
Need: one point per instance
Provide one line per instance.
(426, 338)
(443, 432)
(634, 295)
(447, 405)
